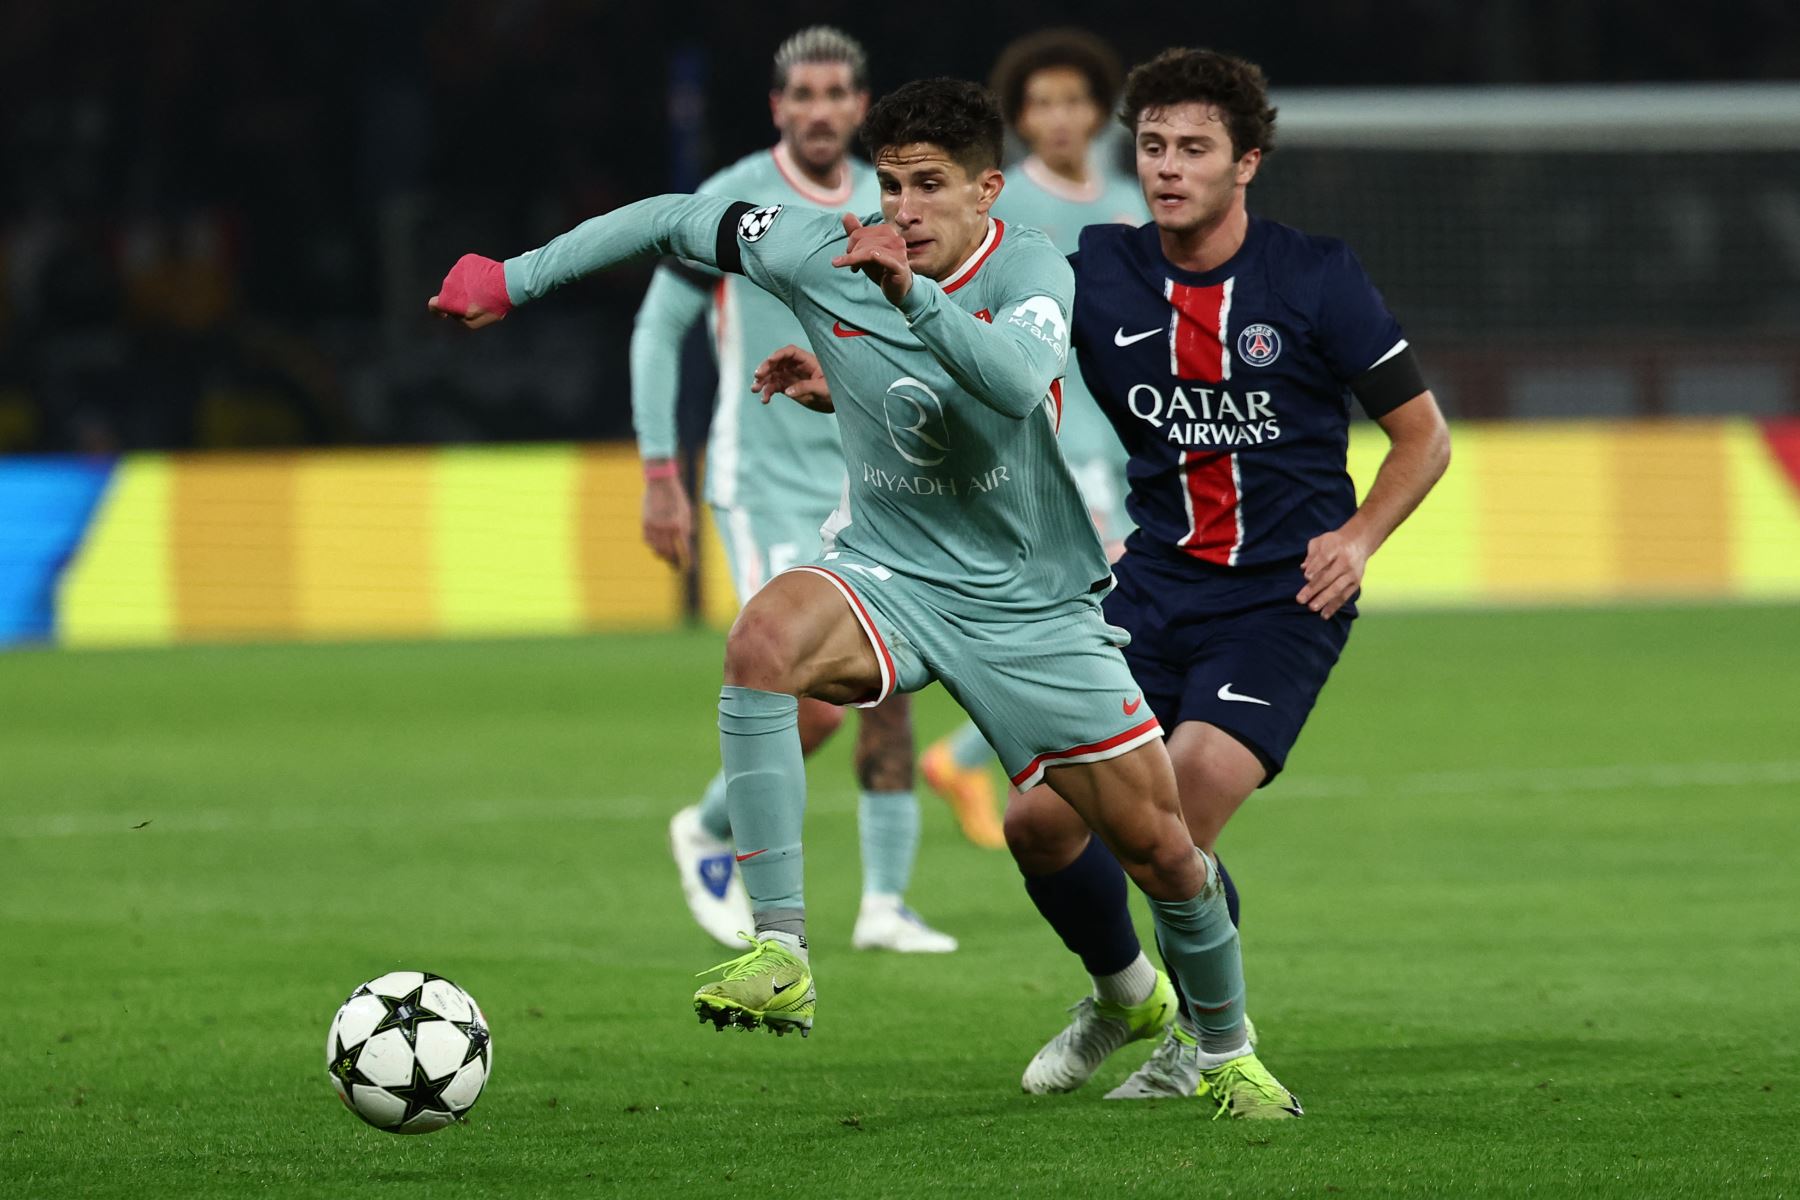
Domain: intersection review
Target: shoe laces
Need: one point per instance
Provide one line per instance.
(743, 966)
(1224, 1080)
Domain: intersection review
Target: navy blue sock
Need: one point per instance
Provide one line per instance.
(1087, 904)
(1231, 900)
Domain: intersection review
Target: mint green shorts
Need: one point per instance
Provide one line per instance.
(1043, 691)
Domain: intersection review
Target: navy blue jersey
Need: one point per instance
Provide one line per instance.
(1231, 389)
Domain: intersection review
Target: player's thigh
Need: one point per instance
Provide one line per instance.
(1257, 675)
(888, 616)
(1130, 802)
(798, 635)
(1214, 774)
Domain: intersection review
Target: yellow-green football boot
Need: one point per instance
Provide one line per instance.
(1243, 1090)
(771, 988)
(1099, 1027)
(1173, 1068)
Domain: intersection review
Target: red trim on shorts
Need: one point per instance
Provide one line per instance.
(868, 625)
(1119, 739)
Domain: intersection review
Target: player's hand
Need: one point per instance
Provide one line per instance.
(474, 292)
(668, 521)
(796, 374)
(1334, 571)
(879, 252)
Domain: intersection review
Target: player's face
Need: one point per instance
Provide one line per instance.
(817, 112)
(936, 204)
(1185, 164)
(1058, 116)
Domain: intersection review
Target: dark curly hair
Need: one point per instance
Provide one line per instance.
(1073, 48)
(1186, 76)
(954, 115)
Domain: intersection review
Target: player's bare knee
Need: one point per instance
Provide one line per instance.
(1039, 842)
(760, 652)
(1161, 860)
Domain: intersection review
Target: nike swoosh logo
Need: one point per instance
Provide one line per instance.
(765, 849)
(779, 988)
(1225, 693)
(1131, 706)
(842, 332)
(1119, 338)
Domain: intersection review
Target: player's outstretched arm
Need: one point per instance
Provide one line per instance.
(478, 291)
(1418, 454)
(796, 374)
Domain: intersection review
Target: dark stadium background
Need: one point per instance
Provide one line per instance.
(218, 221)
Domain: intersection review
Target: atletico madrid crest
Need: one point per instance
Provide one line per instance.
(1258, 345)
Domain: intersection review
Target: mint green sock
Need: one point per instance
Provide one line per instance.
(889, 825)
(765, 790)
(715, 814)
(1200, 944)
(969, 748)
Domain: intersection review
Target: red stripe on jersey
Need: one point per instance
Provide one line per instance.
(1197, 331)
(1214, 527)
(1056, 405)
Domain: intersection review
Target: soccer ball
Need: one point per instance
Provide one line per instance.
(409, 1052)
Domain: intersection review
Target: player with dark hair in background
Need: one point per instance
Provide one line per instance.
(1226, 350)
(963, 552)
(772, 478)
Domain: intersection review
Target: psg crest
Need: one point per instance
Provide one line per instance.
(1258, 345)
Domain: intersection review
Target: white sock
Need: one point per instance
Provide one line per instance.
(882, 901)
(792, 942)
(1209, 1061)
(1133, 985)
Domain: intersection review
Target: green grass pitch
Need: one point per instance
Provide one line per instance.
(1522, 918)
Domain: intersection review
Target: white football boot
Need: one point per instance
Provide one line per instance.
(885, 923)
(1096, 1029)
(710, 880)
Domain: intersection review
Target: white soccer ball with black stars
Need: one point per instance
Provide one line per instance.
(409, 1052)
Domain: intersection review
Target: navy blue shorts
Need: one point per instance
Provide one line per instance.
(1234, 650)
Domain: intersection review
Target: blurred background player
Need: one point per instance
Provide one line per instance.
(1226, 349)
(773, 476)
(1056, 90)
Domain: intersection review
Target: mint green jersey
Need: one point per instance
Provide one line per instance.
(781, 458)
(1037, 197)
(947, 405)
